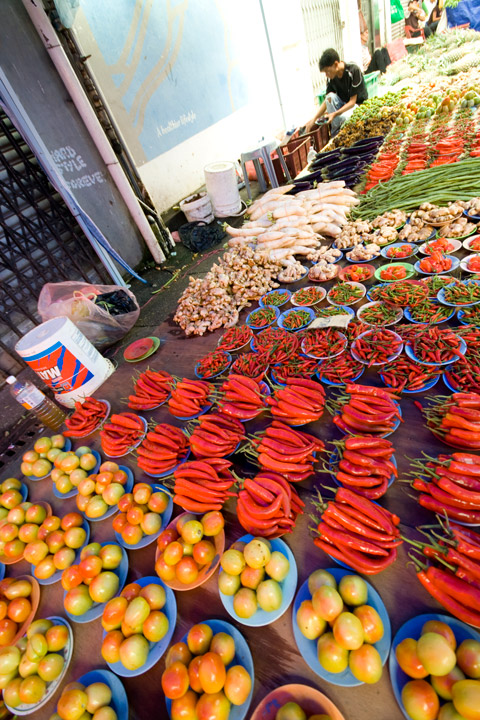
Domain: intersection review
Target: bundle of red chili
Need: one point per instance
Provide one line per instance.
(252, 365)
(340, 369)
(399, 252)
(358, 532)
(216, 435)
(437, 282)
(430, 311)
(86, 417)
(393, 272)
(379, 314)
(464, 375)
(462, 293)
(121, 433)
(435, 345)
(403, 294)
(365, 409)
(452, 575)
(296, 320)
(189, 397)
(261, 318)
(376, 347)
(449, 485)
(308, 296)
(296, 366)
(456, 419)
(301, 401)
(405, 374)
(346, 293)
(213, 364)
(203, 485)
(268, 505)
(235, 338)
(162, 449)
(242, 397)
(437, 262)
(365, 465)
(275, 298)
(409, 332)
(286, 450)
(357, 273)
(152, 388)
(442, 244)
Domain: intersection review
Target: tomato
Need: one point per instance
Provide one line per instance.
(211, 673)
(466, 698)
(199, 638)
(175, 680)
(366, 664)
(213, 707)
(178, 651)
(435, 654)
(371, 623)
(407, 658)
(238, 684)
(331, 656)
(186, 570)
(420, 700)
(442, 684)
(224, 645)
(184, 708)
(468, 658)
(327, 603)
(348, 631)
(113, 613)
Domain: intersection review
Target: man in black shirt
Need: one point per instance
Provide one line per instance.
(345, 89)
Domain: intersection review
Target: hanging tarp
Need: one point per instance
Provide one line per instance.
(467, 11)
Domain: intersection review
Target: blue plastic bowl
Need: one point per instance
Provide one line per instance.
(66, 448)
(408, 314)
(251, 324)
(334, 384)
(149, 539)
(409, 352)
(454, 266)
(228, 359)
(289, 585)
(119, 701)
(428, 386)
(412, 629)
(383, 251)
(114, 508)
(74, 491)
(281, 318)
(441, 296)
(58, 575)
(287, 293)
(157, 649)
(243, 657)
(308, 648)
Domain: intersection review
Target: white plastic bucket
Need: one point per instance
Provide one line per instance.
(64, 359)
(222, 187)
(197, 210)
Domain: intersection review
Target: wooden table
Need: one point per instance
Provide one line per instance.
(276, 658)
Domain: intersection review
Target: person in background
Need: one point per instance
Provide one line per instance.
(380, 59)
(435, 16)
(416, 20)
(345, 89)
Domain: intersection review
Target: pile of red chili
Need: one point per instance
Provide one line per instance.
(189, 397)
(379, 314)
(86, 418)
(365, 465)
(152, 388)
(162, 449)
(203, 485)
(242, 397)
(367, 410)
(252, 365)
(358, 532)
(121, 433)
(340, 369)
(430, 311)
(435, 345)
(393, 272)
(357, 273)
(267, 505)
(276, 344)
(301, 401)
(235, 337)
(405, 374)
(216, 435)
(346, 294)
(403, 294)
(308, 296)
(286, 450)
(213, 364)
(296, 320)
(261, 318)
(456, 419)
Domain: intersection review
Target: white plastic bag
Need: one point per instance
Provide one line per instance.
(75, 300)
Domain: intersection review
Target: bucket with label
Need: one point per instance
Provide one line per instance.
(64, 359)
(197, 208)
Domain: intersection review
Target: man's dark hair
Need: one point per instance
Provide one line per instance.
(329, 57)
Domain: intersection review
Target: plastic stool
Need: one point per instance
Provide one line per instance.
(263, 152)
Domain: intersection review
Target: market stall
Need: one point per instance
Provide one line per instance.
(311, 398)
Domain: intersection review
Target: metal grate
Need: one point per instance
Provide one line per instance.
(398, 28)
(40, 240)
(323, 29)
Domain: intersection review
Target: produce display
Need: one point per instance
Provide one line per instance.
(249, 436)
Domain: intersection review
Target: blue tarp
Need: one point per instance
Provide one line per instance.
(467, 11)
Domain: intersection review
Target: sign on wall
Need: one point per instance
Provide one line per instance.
(168, 68)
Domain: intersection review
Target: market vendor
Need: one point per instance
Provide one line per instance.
(345, 89)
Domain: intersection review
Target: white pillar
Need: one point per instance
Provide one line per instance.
(352, 46)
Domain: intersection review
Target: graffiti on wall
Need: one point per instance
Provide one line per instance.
(171, 66)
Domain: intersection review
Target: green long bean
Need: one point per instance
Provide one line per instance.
(438, 185)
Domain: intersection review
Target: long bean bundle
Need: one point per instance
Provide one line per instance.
(439, 185)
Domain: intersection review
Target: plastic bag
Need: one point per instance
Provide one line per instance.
(76, 300)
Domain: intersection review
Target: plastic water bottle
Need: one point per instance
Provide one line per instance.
(34, 400)
(312, 154)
